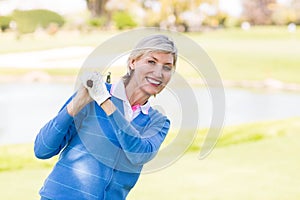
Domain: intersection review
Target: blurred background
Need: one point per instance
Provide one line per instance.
(254, 44)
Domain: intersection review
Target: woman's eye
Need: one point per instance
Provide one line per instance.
(167, 68)
(152, 62)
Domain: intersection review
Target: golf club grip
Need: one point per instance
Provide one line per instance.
(89, 82)
(108, 78)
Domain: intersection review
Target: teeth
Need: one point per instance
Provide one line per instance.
(153, 81)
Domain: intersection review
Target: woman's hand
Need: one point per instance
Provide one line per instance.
(94, 83)
(92, 88)
(81, 99)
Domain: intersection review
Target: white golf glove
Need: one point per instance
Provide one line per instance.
(95, 85)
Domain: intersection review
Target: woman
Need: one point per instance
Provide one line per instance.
(106, 133)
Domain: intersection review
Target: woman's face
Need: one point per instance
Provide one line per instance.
(152, 71)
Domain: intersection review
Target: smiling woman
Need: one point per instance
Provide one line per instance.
(150, 74)
(106, 133)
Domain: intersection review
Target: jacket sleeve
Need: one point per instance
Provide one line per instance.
(53, 137)
(140, 147)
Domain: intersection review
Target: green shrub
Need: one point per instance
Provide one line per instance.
(123, 20)
(232, 22)
(28, 21)
(97, 22)
(4, 22)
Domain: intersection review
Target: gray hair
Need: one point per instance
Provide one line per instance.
(152, 43)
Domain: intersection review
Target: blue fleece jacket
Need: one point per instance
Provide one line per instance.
(101, 156)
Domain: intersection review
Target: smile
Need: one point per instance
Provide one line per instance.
(153, 81)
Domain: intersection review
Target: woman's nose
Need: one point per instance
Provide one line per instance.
(158, 70)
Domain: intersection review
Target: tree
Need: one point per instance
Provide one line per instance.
(97, 7)
(295, 5)
(258, 12)
(176, 7)
(170, 11)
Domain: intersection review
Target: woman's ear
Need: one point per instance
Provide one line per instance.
(132, 64)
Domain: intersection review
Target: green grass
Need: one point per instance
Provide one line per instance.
(245, 133)
(30, 42)
(267, 169)
(240, 169)
(51, 72)
(22, 184)
(20, 156)
(257, 54)
(262, 52)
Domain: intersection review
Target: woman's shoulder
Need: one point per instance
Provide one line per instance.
(156, 113)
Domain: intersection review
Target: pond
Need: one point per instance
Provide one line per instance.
(26, 107)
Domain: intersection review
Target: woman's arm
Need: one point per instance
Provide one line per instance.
(138, 150)
(138, 147)
(53, 137)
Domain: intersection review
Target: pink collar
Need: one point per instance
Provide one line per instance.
(144, 108)
(118, 90)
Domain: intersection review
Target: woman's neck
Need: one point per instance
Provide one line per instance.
(135, 95)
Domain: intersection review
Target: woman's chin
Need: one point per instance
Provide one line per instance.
(153, 93)
(151, 90)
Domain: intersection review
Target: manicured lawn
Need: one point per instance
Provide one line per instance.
(251, 161)
(22, 184)
(267, 169)
(31, 42)
(257, 54)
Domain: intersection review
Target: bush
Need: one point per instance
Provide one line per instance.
(232, 22)
(4, 22)
(97, 22)
(28, 21)
(123, 20)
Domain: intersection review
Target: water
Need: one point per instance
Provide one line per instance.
(25, 108)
